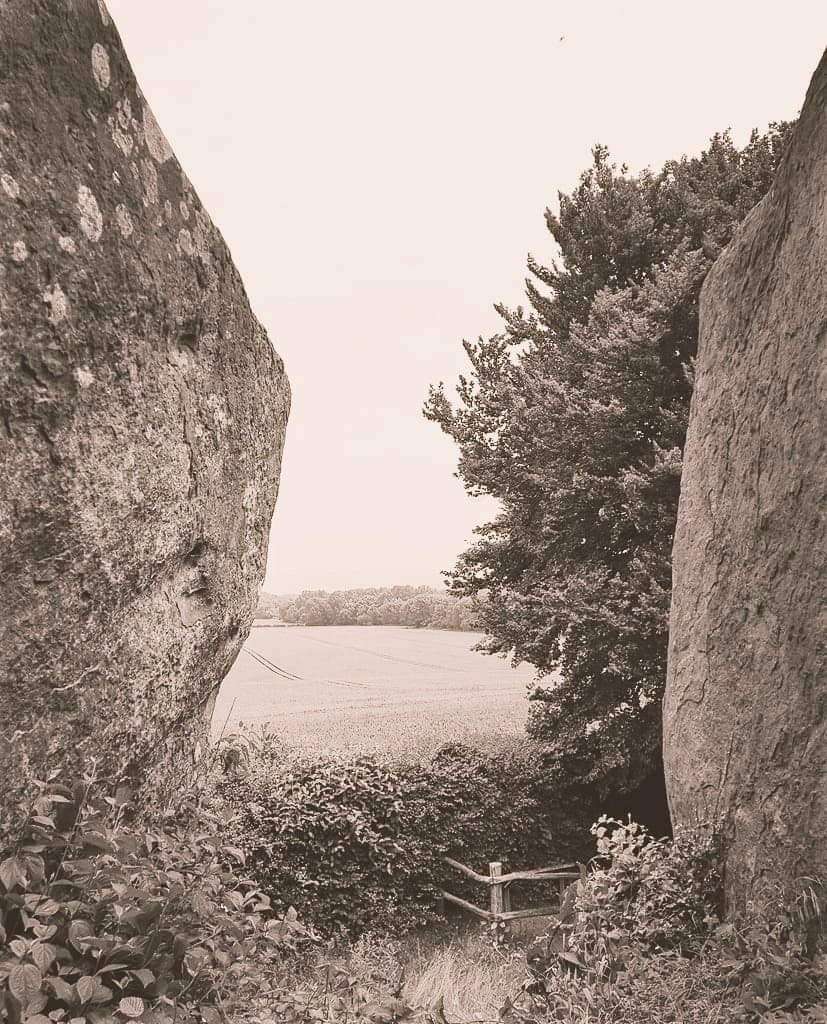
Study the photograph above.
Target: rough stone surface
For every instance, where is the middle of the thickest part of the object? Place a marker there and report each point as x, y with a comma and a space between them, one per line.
745, 734
142, 415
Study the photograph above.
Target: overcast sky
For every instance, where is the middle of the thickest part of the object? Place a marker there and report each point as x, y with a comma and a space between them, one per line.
380, 168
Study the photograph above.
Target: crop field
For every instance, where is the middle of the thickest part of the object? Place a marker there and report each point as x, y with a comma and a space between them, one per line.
373, 689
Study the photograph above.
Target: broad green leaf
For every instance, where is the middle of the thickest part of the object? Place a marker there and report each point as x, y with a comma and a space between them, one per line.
24, 982
43, 953
86, 988
37, 1004
46, 908
12, 874
102, 994
62, 989
79, 932
131, 1006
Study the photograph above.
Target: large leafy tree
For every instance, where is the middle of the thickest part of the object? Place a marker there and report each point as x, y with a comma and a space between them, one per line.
574, 417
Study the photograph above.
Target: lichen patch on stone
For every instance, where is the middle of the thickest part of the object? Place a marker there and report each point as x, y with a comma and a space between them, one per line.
250, 498
121, 140
149, 178
67, 244
100, 66
19, 252
120, 124
91, 218
103, 12
180, 358
220, 417
10, 186
55, 298
155, 139
123, 109
124, 220
185, 242
185, 210
84, 377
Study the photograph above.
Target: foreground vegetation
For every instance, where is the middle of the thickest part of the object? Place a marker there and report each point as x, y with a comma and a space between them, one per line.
357, 844
107, 918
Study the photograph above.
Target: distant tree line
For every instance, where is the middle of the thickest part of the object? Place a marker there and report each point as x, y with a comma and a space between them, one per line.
419, 607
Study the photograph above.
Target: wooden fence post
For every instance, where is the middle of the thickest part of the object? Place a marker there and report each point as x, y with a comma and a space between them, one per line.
495, 869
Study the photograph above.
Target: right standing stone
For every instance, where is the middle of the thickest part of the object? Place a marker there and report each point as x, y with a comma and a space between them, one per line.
744, 710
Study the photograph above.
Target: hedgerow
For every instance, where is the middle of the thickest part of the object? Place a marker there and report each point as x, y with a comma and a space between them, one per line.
355, 843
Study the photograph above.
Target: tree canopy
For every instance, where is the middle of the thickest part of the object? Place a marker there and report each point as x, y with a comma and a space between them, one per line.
574, 418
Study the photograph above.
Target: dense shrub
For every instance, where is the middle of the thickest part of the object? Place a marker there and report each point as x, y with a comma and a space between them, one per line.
103, 919
502, 806
324, 836
666, 893
642, 941
356, 844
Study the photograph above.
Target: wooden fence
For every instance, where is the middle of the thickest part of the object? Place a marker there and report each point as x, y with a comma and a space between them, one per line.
500, 898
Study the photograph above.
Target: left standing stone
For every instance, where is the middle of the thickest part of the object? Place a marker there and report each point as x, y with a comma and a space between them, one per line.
142, 417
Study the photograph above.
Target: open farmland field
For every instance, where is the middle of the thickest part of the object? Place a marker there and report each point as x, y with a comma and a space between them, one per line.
373, 689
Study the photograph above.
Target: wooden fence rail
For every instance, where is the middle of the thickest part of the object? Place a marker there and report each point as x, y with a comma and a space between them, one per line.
499, 896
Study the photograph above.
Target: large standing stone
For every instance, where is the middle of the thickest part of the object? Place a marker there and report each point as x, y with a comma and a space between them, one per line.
142, 415
745, 734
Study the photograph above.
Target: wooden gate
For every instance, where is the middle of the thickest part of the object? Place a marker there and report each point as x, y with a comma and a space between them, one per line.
499, 896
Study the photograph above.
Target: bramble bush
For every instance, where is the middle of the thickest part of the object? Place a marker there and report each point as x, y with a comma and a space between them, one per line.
103, 920
323, 835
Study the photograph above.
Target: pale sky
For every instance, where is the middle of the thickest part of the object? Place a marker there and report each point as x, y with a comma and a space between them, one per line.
380, 168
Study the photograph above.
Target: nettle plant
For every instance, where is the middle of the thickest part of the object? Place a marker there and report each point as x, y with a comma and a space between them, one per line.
666, 894
104, 921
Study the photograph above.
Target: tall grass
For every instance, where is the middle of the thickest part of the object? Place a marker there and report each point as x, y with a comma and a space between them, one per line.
450, 977
466, 975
